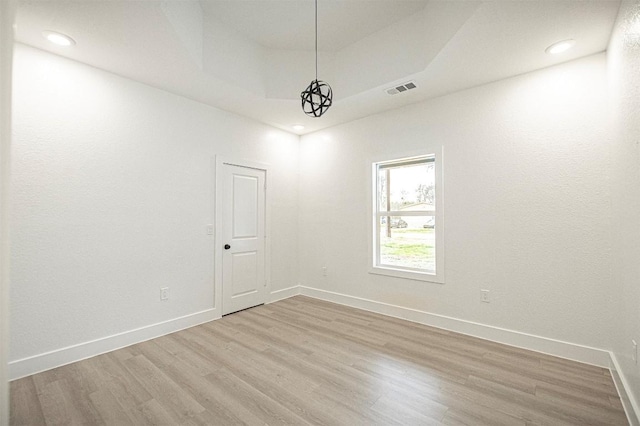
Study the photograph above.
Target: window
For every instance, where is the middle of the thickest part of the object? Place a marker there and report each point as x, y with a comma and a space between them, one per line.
407, 231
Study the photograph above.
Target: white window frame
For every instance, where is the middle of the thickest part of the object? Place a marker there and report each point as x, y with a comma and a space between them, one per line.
374, 233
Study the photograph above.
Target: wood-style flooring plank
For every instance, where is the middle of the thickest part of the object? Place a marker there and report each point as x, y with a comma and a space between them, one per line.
110, 409
177, 403
25, 407
305, 361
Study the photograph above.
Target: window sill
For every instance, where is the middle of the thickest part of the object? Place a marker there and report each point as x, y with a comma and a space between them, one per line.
410, 275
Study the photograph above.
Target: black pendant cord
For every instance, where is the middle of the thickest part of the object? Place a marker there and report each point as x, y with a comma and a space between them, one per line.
318, 96
316, 39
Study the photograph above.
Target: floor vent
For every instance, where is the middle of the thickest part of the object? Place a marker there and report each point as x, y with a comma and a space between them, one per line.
401, 88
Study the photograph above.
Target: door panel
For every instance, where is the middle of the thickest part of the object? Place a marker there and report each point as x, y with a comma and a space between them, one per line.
243, 263
245, 206
245, 272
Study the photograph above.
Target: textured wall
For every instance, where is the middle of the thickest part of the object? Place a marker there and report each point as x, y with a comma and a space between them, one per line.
7, 11
112, 192
624, 75
526, 211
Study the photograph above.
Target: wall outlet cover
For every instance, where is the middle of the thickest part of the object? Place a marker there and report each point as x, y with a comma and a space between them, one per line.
164, 293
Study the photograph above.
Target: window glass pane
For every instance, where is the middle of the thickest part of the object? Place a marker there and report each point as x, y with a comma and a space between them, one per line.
408, 242
407, 187
382, 191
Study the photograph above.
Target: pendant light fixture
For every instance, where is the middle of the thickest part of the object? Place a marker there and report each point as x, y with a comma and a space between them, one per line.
318, 96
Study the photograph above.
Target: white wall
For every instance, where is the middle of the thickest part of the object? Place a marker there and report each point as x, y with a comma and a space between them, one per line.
7, 11
527, 208
624, 74
113, 189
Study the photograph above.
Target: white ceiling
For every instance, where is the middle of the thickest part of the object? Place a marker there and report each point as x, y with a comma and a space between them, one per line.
255, 57
343, 22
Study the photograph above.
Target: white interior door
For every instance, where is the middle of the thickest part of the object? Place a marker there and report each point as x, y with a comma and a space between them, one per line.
243, 231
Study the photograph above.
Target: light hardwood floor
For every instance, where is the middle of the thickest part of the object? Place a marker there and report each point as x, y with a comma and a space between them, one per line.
304, 361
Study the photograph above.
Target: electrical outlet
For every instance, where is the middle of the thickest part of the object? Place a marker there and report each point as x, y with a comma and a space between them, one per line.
324, 271
634, 353
484, 296
164, 293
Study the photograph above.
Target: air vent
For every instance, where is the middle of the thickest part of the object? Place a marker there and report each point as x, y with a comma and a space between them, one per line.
401, 88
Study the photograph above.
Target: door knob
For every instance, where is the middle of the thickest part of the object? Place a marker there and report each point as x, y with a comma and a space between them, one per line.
227, 246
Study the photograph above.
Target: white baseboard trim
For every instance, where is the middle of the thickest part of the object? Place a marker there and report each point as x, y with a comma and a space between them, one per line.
59, 357
545, 345
46, 361
285, 293
629, 401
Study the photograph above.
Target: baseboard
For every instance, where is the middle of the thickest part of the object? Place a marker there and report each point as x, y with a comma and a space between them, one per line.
629, 401
572, 351
42, 362
46, 361
545, 345
285, 293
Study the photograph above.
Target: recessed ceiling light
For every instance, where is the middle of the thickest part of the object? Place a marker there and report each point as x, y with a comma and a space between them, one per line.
560, 46
298, 127
58, 38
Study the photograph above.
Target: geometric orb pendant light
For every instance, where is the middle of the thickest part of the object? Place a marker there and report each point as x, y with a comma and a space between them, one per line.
318, 96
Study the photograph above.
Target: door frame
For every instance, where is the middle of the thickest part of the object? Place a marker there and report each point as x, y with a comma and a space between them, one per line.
218, 167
